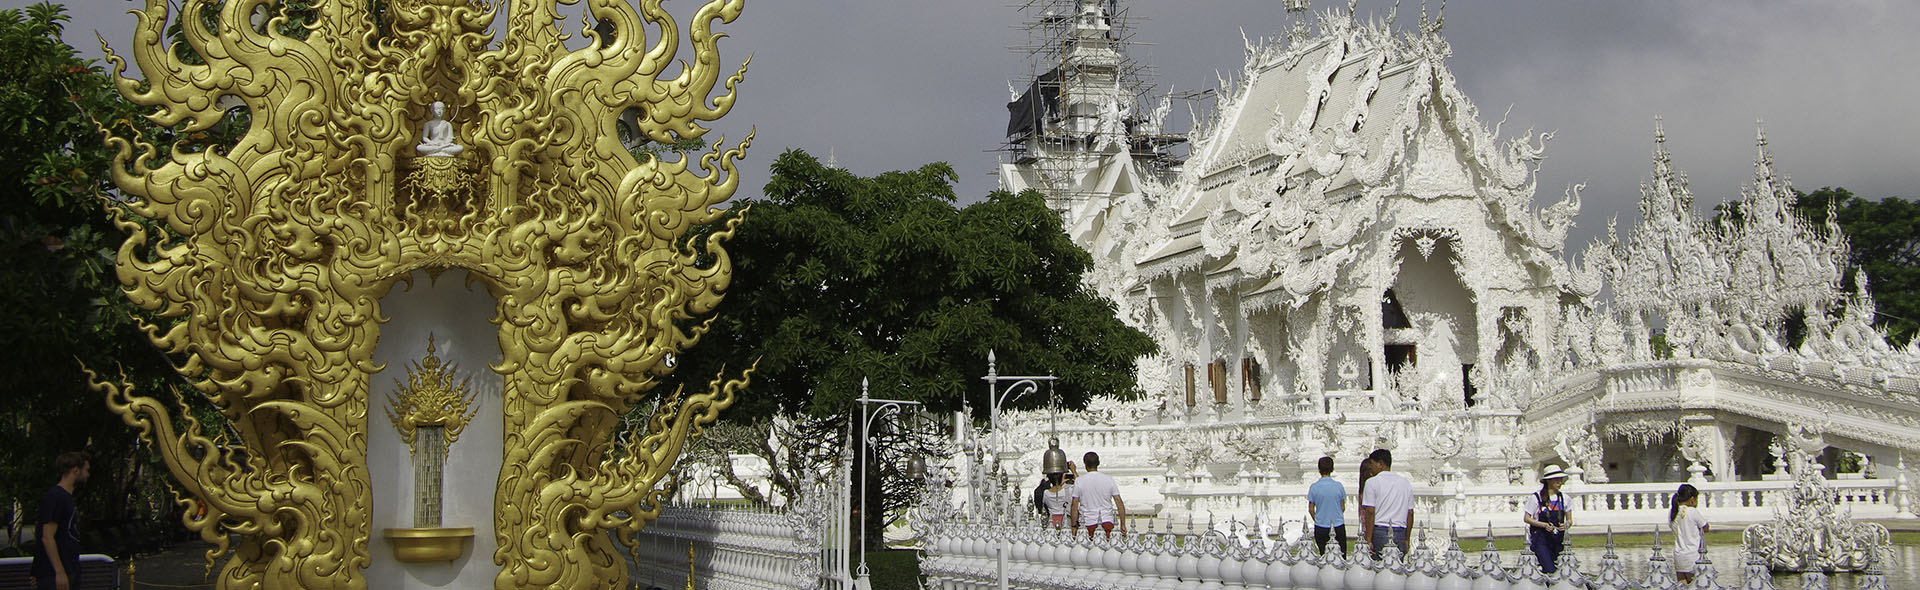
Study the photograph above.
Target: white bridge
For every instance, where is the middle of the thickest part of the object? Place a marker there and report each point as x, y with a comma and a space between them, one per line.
1728, 428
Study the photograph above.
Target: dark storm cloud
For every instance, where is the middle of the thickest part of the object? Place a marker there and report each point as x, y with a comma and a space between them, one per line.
891, 85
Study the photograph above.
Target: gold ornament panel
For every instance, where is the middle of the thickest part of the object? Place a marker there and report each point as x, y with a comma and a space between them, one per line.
281, 246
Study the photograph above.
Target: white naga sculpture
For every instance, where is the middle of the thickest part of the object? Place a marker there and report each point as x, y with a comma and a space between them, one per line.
436, 136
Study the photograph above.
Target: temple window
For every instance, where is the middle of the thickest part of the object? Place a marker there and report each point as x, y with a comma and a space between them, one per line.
1190, 400
1250, 378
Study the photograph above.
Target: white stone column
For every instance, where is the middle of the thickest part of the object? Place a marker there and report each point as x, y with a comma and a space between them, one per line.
1724, 468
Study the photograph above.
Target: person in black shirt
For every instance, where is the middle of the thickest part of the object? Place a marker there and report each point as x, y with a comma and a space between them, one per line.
56, 566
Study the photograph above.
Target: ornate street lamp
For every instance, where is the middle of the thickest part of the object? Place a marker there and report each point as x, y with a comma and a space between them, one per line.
862, 576
1018, 388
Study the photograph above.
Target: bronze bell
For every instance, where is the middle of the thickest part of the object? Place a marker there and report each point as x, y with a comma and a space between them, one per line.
1055, 460
916, 467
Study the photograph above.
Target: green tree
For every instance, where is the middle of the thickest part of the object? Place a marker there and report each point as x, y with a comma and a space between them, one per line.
61, 306
839, 278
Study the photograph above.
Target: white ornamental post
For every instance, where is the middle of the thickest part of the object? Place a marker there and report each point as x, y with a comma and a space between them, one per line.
1902, 492
887, 407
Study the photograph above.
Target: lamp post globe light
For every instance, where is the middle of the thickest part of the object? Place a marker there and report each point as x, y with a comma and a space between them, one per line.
916, 467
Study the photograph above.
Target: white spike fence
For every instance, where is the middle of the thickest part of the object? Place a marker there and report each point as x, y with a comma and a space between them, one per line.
965, 555
806, 545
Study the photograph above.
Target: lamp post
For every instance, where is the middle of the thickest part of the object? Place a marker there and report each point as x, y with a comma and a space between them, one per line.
867, 414
1019, 386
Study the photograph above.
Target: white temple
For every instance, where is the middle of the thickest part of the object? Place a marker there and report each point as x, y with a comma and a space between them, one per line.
1349, 258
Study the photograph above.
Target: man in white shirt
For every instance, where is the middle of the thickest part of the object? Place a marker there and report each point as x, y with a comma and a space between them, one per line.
1386, 505
1096, 499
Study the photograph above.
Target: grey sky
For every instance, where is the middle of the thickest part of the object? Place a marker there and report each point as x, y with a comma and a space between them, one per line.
892, 85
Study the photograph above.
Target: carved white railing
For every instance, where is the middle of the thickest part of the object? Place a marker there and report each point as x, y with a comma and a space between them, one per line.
976, 555
1472, 507
732, 549
804, 545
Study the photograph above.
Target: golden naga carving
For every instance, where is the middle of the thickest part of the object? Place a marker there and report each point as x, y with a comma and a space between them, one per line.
281, 246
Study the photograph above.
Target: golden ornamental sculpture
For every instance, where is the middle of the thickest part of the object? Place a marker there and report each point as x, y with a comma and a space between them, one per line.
430, 405
347, 179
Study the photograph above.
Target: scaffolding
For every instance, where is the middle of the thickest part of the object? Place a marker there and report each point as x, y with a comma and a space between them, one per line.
1039, 134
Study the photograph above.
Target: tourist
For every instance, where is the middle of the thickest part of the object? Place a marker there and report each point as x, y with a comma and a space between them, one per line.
56, 565
1040, 494
1386, 505
1689, 531
1096, 499
1056, 498
1548, 517
1366, 472
1326, 505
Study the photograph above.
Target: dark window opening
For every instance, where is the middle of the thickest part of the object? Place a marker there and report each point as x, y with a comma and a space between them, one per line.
1392, 316
1466, 382
1217, 379
1250, 378
1189, 386
1400, 356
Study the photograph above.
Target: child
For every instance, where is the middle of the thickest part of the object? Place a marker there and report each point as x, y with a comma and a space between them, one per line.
1689, 528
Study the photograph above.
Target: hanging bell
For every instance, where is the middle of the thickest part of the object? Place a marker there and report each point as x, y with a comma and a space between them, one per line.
916, 468
1055, 460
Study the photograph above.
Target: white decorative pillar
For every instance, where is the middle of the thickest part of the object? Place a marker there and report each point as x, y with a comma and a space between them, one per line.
1902, 491
1724, 468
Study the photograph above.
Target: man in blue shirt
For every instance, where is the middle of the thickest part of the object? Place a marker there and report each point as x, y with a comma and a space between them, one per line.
56, 565
1327, 505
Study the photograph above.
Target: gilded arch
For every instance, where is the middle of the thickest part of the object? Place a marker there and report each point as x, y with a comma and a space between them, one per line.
278, 249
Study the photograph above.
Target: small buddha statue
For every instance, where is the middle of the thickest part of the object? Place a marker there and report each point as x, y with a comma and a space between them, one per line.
436, 137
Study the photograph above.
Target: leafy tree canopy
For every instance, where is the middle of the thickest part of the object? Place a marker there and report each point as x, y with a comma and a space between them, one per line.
839, 278
61, 306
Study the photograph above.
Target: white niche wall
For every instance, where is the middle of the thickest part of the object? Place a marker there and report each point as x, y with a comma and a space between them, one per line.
455, 312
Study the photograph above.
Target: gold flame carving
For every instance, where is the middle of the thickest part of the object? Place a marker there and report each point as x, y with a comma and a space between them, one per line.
430, 397
281, 246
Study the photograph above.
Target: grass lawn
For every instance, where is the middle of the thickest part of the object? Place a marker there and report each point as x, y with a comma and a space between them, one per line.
894, 570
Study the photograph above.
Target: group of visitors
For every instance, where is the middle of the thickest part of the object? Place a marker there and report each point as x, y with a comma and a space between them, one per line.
1386, 513
1091, 500
1386, 505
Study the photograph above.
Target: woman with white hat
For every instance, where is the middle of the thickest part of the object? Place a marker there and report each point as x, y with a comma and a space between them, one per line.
1548, 517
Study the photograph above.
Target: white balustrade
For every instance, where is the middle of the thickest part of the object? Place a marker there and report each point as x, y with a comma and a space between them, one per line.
1472, 507
964, 555
732, 549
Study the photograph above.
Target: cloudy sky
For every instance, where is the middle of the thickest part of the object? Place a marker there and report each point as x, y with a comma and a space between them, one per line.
890, 85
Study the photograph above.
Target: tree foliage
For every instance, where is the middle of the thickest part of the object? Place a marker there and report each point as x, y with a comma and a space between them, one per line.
839, 278
61, 305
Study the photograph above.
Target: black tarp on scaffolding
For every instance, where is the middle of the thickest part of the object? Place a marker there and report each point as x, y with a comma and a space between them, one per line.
1040, 101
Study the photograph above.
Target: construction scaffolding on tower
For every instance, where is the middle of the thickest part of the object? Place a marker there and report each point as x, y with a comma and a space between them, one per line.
1044, 135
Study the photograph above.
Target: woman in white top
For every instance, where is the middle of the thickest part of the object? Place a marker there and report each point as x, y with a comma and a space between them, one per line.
1547, 518
1689, 526
1057, 497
